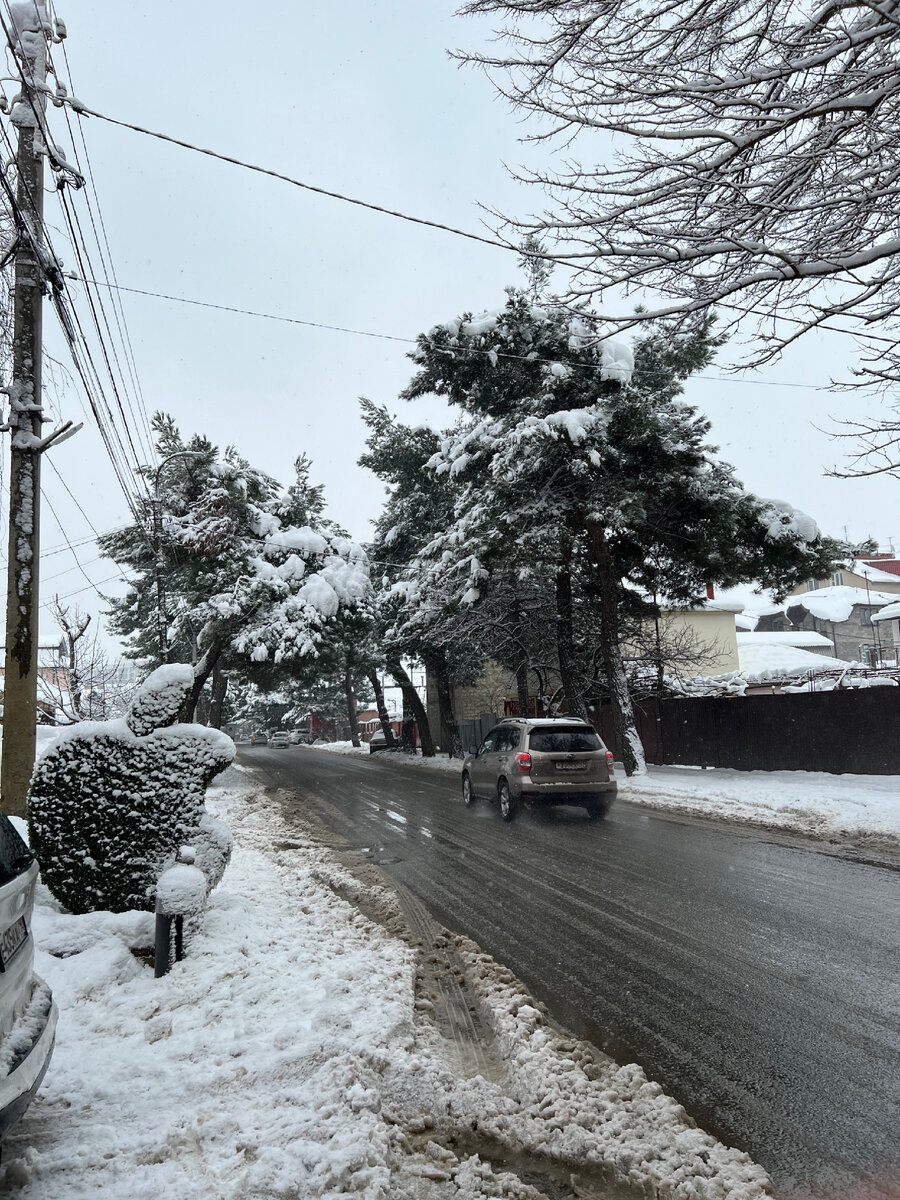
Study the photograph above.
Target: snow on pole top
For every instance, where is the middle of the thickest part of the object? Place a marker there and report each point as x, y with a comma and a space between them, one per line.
159, 698
29, 16
181, 889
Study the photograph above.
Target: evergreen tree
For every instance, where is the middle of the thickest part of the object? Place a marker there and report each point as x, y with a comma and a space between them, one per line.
251, 575
573, 464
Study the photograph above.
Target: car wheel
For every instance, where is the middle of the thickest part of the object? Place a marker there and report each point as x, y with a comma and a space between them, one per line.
505, 800
595, 811
468, 794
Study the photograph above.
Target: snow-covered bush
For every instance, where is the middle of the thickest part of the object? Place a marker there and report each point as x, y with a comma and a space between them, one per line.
111, 803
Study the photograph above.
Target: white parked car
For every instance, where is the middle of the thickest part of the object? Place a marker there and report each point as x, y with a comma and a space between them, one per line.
27, 1011
279, 739
377, 741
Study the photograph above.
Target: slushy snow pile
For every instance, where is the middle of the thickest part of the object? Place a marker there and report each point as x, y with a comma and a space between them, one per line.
290, 1056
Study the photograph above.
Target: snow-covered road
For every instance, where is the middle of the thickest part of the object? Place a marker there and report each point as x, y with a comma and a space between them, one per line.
309, 1047
754, 979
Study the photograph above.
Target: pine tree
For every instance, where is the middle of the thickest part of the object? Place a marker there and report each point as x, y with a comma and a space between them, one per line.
571, 466
253, 574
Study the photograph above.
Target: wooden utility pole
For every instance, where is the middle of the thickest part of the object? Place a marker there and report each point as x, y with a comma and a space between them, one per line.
25, 419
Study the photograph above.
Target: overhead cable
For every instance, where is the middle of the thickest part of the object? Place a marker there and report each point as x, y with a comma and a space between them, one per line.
78, 107
392, 337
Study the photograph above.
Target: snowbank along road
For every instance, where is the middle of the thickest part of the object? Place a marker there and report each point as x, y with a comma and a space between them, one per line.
755, 981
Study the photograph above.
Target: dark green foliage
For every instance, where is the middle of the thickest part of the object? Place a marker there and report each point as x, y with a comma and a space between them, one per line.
112, 802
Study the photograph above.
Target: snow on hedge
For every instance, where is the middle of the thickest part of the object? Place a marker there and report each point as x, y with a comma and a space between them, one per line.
112, 802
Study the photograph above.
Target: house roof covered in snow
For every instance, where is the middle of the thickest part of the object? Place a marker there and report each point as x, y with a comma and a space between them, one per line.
837, 603
878, 571
890, 613
765, 658
804, 638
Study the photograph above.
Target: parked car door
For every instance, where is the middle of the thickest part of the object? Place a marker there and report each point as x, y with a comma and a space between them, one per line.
484, 765
507, 746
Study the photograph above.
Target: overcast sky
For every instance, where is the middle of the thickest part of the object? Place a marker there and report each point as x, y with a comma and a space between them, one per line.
359, 98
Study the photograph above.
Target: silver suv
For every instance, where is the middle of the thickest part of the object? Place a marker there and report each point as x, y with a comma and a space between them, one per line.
550, 760
27, 1011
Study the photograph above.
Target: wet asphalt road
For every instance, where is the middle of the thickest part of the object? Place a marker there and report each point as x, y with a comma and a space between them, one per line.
757, 982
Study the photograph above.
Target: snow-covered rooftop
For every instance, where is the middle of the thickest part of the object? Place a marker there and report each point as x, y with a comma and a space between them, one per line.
890, 613
720, 604
875, 574
837, 603
804, 638
759, 658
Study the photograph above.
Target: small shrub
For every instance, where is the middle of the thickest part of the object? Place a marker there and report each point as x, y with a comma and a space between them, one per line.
112, 802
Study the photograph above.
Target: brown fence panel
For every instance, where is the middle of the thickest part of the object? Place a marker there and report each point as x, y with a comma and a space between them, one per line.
647, 719
854, 730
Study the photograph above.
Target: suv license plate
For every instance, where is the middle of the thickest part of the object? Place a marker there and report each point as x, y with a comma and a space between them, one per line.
11, 940
571, 766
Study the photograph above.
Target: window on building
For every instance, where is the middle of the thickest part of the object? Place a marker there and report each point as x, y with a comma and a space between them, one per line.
811, 585
837, 579
865, 616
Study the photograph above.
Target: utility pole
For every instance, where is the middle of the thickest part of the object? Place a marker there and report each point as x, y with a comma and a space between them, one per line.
25, 418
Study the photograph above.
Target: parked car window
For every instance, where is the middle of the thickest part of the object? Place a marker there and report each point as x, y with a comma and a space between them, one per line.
490, 742
564, 741
14, 853
510, 739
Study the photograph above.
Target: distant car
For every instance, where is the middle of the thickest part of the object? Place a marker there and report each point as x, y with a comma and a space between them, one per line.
554, 760
294, 737
259, 738
279, 738
377, 741
27, 1012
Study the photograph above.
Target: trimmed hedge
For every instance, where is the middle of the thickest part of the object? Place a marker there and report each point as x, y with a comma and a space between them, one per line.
112, 802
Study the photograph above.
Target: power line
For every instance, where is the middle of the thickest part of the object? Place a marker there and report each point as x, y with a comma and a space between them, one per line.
95, 587
249, 312
59, 476
559, 260
52, 551
80, 108
71, 331
78, 562
391, 337
119, 312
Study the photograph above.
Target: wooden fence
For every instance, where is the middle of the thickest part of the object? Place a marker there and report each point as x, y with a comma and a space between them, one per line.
853, 730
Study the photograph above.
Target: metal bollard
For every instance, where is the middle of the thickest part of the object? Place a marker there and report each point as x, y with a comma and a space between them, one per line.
162, 952
180, 891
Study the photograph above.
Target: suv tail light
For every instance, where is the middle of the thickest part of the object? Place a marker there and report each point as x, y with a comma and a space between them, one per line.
523, 762
609, 763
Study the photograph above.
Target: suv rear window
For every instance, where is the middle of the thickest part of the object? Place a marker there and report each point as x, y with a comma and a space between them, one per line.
15, 857
564, 741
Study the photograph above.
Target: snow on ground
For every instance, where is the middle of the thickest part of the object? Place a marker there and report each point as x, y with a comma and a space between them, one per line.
848, 808
341, 748
855, 809
294, 1054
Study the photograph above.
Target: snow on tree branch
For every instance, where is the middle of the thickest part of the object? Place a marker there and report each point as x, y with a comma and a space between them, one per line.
753, 160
